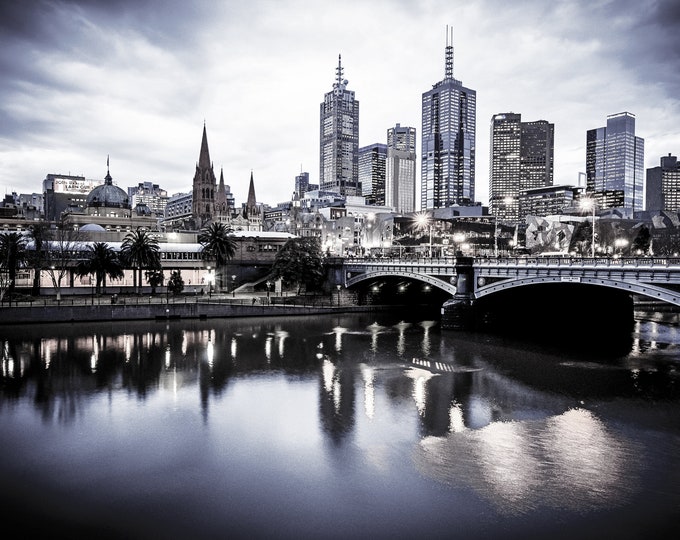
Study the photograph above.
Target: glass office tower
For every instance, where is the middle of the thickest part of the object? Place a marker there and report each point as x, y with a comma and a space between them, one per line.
615, 164
372, 173
400, 178
339, 139
522, 158
448, 141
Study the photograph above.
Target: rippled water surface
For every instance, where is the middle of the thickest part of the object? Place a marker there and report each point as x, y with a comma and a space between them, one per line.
371, 426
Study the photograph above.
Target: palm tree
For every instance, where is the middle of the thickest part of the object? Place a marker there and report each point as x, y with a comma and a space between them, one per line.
102, 261
140, 250
12, 254
218, 244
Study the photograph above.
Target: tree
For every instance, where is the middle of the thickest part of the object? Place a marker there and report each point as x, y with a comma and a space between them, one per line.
140, 250
154, 278
300, 262
642, 242
102, 261
59, 254
218, 244
39, 234
175, 283
12, 255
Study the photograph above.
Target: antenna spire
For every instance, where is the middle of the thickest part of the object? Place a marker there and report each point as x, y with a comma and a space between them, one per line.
448, 70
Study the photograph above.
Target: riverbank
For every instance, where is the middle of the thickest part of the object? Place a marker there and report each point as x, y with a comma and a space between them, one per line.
115, 308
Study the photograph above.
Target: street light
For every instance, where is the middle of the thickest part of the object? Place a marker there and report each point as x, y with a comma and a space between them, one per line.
589, 204
233, 285
423, 220
269, 285
338, 287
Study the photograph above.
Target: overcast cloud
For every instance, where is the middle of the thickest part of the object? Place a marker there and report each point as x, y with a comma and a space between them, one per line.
136, 79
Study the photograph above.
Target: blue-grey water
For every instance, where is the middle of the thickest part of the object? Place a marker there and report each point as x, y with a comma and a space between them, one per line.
337, 426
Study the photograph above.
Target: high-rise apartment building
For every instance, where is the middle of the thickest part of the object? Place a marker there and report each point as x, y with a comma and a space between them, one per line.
150, 195
615, 163
522, 158
448, 141
372, 173
339, 139
400, 174
663, 186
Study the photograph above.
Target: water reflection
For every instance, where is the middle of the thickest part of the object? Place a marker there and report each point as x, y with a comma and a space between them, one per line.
518, 427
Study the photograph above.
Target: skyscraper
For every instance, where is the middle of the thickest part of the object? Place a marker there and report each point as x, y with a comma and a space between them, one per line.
522, 158
372, 172
615, 163
448, 141
400, 174
339, 139
663, 186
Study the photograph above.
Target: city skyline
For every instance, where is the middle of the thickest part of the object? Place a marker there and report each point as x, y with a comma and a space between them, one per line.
137, 80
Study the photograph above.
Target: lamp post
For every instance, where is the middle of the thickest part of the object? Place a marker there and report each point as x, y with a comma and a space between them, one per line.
423, 219
338, 287
269, 285
233, 285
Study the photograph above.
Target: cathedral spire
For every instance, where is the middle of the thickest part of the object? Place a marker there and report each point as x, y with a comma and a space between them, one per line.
204, 156
251, 205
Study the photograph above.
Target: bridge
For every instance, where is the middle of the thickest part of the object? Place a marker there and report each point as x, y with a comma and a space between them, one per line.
468, 280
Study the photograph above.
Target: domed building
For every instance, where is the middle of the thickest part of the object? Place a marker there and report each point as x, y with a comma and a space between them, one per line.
108, 200
108, 210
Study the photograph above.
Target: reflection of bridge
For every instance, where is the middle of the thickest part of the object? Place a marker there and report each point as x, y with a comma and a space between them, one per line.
469, 279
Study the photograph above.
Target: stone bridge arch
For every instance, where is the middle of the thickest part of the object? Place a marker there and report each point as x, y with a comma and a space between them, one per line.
430, 280
643, 289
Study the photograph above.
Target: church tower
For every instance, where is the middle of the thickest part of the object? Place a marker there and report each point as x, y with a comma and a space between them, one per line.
205, 187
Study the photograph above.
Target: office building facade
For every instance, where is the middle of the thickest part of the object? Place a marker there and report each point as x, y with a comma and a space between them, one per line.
339, 139
400, 174
372, 160
522, 158
448, 141
663, 186
615, 164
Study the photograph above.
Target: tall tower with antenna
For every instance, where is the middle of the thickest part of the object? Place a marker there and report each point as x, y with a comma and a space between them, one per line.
339, 138
449, 112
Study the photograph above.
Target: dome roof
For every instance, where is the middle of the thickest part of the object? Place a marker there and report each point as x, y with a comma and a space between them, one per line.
92, 227
108, 195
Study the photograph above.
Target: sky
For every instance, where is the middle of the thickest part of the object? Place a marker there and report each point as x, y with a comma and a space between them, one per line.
134, 81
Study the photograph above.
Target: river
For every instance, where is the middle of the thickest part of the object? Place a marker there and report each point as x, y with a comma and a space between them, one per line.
336, 426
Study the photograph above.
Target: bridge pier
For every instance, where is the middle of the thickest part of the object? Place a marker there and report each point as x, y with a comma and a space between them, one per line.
458, 313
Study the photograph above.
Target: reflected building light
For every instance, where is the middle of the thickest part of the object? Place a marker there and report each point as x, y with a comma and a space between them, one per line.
401, 340
184, 343
582, 448
268, 348
327, 372
233, 348
456, 420
338, 331
337, 390
425, 345
509, 463
167, 356
128, 348
368, 374
281, 335
95, 354
47, 354
210, 354
420, 378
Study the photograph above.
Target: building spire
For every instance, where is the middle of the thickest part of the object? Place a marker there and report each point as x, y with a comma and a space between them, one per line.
107, 179
251, 205
339, 73
204, 156
448, 69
